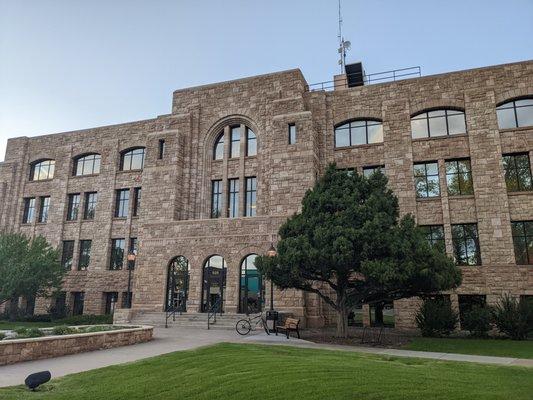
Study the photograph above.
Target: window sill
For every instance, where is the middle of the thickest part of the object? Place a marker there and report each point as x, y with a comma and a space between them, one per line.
461, 196
520, 129
520, 193
40, 223
71, 221
41, 180
120, 218
87, 220
26, 223
424, 139
359, 146
84, 176
129, 171
423, 199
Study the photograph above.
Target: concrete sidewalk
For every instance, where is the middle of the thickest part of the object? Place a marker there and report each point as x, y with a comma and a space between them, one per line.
175, 339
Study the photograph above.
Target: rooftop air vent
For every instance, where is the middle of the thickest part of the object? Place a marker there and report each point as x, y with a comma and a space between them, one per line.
355, 74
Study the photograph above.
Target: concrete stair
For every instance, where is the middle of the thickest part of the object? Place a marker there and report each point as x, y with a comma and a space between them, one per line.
187, 320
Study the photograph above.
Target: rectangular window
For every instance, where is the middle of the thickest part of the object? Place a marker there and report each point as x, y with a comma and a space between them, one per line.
85, 254
251, 196
44, 207
67, 254
132, 249
368, 171
233, 198
459, 177
427, 179
73, 206
517, 172
78, 299
251, 143
216, 199
117, 254
523, 242
161, 152
435, 236
111, 299
235, 143
466, 244
122, 203
91, 198
136, 201
29, 210
292, 133
126, 299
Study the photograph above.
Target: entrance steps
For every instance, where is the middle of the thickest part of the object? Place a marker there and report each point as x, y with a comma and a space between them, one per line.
187, 320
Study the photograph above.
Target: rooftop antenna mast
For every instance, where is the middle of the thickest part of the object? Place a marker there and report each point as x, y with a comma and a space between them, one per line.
344, 45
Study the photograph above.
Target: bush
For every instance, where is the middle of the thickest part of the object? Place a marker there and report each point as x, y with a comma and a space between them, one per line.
2, 336
36, 318
64, 330
23, 333
513, 318
477, 321
87, 320
436, 318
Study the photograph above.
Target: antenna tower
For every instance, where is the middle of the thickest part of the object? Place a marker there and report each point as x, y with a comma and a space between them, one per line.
344, 45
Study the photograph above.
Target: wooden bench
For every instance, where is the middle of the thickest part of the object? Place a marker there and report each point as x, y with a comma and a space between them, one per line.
291, 324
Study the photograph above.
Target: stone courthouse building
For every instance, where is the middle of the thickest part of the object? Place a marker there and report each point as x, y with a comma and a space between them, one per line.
199, 192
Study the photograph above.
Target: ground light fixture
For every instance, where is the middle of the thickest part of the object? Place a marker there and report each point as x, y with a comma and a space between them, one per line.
271, 315
33, 381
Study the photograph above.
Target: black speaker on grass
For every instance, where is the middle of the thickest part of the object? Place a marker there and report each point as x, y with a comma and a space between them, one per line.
33, 381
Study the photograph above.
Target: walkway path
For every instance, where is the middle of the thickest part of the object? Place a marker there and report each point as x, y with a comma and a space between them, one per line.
175, 339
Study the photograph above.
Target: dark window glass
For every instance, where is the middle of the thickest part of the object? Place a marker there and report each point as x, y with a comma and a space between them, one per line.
73, 206
251, 143
87, 165
292, 133
161, 152
438, 123
85, 254
251, 197
29, 210
216, 199
136, 201
235, 143
218, 150
435, 236
78, 300
466, 244
233, 198
42, 170
44, 208
368, 171
358, 132
126, 299
122, 203
251, 287
67, 254
523, 242
459, 177
132, 159
515, 114
517, 172
132, 248
117, 253
427, 179
111, 299
91, 198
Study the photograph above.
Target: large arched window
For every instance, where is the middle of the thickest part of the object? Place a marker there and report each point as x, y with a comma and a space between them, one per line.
515, 113
437, 123
132, 159
357, 132
42, 170
88, 164
213, 284
177, 284
218, 150
251, 287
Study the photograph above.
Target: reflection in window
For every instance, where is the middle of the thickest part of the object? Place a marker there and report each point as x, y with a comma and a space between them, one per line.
426, 179
358, 132
459, 177
438, 123
435, 236
29, 210
466, 244
85, 255
251, 143
67, 254
117, 253
517, 172
235, 142
369, 171
216, 199
91, 199
73, 206
523, 242
42, 170
251, 197
233, 198
87, 165
218, 150
515, 114
44, 207
132, 159
122, 203
292, 133
136, 201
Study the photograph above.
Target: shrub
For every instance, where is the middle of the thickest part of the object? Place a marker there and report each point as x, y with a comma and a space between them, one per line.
436, 318
513, 318
36, 318
23, 333
477, 321
87, 319
64, 330
2, 335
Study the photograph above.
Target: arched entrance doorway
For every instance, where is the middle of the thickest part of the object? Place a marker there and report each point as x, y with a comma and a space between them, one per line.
213, 283
252, 290
177, 284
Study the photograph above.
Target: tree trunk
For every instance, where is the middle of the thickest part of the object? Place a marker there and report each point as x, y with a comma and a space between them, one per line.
13, 309
342, 316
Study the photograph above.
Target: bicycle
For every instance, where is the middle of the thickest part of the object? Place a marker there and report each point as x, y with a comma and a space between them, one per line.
246, 325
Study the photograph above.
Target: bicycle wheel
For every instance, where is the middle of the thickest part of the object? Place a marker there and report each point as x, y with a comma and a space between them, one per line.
243, 327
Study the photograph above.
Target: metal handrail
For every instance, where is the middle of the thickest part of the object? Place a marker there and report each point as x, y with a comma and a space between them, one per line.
213, 312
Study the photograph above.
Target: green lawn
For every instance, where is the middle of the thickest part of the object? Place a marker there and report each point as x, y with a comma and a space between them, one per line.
485, 347
236, 371
12, 325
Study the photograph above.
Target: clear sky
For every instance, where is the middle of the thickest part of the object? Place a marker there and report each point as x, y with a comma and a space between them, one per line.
73, 64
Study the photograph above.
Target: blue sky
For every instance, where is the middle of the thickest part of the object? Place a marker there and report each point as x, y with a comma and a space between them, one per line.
73, 64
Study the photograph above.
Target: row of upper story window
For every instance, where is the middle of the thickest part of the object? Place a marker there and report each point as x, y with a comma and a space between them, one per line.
433, 123
465, 242
40, 206
116, 259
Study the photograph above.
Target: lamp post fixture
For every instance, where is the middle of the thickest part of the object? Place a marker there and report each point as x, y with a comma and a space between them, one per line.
271, 315
131, 262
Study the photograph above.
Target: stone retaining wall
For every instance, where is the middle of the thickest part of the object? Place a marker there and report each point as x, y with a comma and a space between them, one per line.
17, 350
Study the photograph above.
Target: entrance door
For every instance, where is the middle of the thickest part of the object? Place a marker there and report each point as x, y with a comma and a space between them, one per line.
177, 284
251, 295
213, 284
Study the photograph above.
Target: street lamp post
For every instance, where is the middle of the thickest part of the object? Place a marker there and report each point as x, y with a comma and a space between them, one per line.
131, 263
272, 316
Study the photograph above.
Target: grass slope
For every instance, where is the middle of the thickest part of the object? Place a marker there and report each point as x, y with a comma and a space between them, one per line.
485, 347
232, 371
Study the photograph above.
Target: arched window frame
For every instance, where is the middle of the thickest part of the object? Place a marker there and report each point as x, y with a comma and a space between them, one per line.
178, 267
243, 284
223, 268
87, 158
351, 127
127, 157
218, 148
42, 169
426, 117
519, 110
